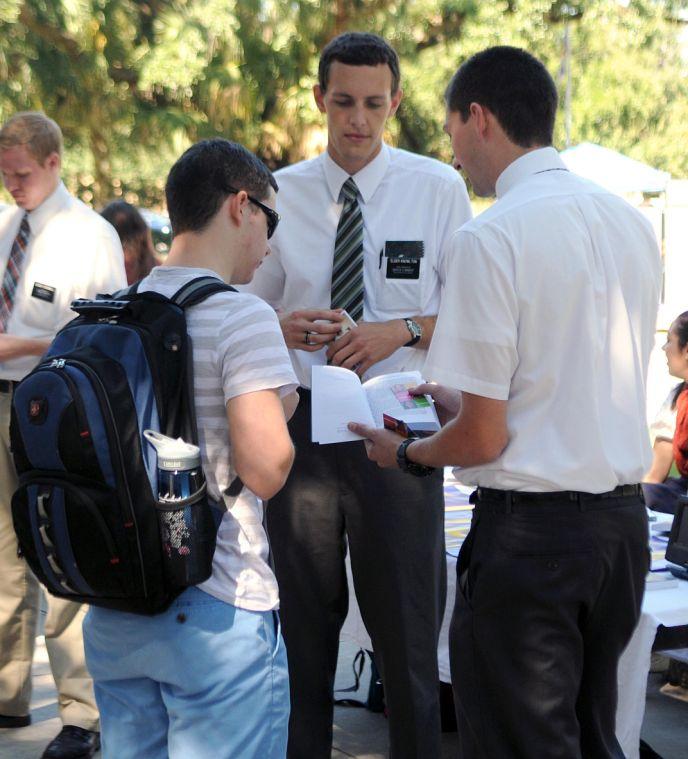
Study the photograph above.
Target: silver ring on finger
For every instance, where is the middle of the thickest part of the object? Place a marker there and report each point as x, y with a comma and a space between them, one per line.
307, 338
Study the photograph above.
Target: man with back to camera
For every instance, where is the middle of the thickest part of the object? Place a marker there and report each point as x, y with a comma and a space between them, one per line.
53, 249
207, 678
365, 228
544, 349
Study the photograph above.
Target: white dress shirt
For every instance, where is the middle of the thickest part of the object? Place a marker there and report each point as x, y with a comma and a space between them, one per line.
72, 253
403, 197
550, 304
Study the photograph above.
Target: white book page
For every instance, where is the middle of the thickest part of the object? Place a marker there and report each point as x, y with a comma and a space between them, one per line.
337, 398
388, 394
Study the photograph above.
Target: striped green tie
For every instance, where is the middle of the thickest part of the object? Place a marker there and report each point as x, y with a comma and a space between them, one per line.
347, 272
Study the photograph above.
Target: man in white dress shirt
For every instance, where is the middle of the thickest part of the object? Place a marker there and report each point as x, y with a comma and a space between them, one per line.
364, 227
544, 334
52, 249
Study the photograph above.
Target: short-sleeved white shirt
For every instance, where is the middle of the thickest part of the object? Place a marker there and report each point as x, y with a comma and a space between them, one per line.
550, 304
72, 253
238, 348
403, 197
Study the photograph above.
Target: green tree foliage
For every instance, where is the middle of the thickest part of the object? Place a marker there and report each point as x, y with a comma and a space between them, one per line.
133, 83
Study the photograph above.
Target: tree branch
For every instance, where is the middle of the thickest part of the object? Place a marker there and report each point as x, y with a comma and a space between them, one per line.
50, 34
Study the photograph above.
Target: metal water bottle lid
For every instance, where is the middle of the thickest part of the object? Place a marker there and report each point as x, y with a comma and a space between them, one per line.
173, 454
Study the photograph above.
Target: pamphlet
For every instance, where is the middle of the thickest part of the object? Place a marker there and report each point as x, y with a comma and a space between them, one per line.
338, 397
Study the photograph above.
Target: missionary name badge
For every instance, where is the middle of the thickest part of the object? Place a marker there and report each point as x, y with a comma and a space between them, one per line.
403, 258
43, 292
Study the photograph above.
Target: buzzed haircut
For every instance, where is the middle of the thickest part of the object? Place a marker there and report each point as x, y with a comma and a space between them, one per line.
40, 135
512, 84
358, 49
205, 175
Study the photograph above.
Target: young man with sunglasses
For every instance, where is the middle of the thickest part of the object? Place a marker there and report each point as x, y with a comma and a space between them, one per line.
208, 677
365, 228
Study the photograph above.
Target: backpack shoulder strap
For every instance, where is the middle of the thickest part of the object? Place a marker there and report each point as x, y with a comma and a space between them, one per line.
198, 290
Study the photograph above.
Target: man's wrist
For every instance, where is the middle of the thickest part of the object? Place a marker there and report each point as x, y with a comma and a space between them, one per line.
411, 467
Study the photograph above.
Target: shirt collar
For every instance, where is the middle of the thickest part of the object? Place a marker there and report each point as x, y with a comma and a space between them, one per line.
57, 200
367, 179
533, 162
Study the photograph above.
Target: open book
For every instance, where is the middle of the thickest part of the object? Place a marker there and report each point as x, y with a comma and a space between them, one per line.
338, 397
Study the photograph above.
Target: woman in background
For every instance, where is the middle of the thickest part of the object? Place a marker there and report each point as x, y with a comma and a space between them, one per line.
671, 428
135, 234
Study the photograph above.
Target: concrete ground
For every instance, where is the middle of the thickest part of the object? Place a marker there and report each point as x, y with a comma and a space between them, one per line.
358, 733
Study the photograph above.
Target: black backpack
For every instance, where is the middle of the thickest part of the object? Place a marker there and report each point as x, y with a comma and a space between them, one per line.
86, 509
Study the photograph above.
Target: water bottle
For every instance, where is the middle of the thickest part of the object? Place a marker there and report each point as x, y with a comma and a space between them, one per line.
187, 528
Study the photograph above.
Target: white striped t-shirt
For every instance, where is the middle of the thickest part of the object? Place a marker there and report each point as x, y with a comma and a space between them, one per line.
238, 348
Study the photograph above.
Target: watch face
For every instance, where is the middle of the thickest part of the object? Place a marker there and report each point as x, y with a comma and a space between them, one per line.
413, 327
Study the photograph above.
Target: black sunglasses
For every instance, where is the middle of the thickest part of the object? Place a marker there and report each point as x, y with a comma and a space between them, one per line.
272, 216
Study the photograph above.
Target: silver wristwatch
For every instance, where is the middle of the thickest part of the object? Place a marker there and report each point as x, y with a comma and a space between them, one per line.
416, 332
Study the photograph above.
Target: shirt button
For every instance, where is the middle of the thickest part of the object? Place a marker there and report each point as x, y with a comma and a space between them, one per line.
551, 564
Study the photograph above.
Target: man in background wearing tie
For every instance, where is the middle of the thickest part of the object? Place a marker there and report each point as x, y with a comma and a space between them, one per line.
365, 228
53, 249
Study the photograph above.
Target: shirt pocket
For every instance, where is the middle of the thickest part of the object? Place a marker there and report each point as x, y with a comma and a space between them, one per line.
400, 281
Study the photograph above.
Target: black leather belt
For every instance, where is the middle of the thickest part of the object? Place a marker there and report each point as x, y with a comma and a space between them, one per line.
6, 386
506, 500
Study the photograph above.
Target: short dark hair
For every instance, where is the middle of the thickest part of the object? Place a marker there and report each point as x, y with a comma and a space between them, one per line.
515, 86
199, 182
358, 49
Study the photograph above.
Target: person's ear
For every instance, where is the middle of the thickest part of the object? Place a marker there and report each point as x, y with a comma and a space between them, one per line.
396, 100
53, 162
319, 96
234, 207
480, 118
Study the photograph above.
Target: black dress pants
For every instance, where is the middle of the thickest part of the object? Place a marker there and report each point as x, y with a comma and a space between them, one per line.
394, 525
548, 595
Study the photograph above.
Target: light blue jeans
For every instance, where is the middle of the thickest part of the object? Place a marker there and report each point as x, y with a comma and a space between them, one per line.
202, 680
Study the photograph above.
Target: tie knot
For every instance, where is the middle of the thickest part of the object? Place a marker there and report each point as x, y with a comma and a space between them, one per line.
349, 189
24, 228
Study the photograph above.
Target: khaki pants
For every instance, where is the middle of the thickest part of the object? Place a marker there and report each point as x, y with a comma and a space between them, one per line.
19, 608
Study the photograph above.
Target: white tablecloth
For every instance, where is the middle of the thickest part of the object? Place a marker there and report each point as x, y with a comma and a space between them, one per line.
667, 606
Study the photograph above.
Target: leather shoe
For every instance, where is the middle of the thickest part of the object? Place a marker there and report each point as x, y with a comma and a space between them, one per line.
73, 742
10, 721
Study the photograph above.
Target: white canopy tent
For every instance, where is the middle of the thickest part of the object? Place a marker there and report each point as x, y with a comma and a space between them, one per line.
614, 171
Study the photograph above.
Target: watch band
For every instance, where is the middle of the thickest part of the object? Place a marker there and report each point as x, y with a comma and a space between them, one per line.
411, 467
416, 332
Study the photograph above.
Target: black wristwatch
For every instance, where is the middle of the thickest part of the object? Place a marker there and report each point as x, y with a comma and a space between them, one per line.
418, 470
416, 332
